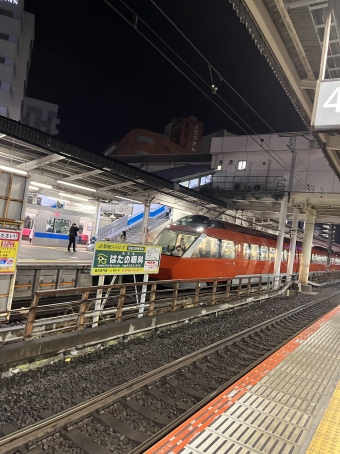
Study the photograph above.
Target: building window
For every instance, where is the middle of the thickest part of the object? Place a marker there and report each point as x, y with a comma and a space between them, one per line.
4, 12
4, 36
4, 111
146, 140
5, 86
242, 165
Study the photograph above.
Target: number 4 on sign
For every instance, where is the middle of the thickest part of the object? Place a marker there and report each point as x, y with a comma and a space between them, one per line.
335, 96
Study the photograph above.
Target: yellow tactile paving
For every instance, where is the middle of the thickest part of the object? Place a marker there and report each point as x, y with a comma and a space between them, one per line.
327, 436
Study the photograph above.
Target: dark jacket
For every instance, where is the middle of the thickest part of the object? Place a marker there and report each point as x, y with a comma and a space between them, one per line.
73, 231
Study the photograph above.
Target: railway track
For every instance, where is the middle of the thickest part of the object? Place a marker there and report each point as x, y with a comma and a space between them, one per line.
133, 416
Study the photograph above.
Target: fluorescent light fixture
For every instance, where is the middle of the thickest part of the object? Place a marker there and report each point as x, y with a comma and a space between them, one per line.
88, 207
219, 168
76, 186
75, 197
13, 170
42, 185
131, 200
2, 135
33, 188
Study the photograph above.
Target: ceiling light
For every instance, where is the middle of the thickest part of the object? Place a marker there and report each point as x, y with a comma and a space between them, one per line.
131, 200
76, 186
13, 170
70, 196
43, 185
33, 188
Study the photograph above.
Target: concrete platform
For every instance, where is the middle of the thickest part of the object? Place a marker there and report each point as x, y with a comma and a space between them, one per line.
29, 253
288, 404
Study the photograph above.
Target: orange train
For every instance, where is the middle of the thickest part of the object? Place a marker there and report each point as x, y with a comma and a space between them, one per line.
199, 247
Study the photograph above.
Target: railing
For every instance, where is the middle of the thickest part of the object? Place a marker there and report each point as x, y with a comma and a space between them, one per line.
83, 307
247, 183
120, 302
115, 228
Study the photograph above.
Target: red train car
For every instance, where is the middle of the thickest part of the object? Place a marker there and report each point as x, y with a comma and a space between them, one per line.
199, 247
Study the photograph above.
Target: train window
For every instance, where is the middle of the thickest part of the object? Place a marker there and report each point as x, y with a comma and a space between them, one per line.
285, 255
263, 253
209, 248
174, 243
228, 249
246, 251
58, 225
272, 254
254, 254
50, 225
195, 219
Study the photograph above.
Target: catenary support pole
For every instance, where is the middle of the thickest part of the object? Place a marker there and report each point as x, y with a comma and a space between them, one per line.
325, 46
144, 230
292, 246
96, 219
280, 236
306, 249
330, 243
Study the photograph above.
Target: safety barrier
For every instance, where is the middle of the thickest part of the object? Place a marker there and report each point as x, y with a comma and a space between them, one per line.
119, 302
83, 307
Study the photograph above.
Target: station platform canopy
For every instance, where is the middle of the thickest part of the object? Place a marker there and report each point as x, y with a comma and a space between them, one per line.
61, 165
290, 33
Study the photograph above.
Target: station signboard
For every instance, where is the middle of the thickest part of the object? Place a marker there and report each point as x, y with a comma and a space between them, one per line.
123, 258
326, 112
9, 247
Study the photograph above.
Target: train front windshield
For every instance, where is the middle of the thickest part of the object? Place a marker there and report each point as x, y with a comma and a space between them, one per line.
175, 243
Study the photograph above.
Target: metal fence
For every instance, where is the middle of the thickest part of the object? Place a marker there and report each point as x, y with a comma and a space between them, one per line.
86, 307
247, 183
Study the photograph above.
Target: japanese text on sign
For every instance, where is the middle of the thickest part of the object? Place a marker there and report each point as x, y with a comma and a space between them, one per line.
121, 258
9, 246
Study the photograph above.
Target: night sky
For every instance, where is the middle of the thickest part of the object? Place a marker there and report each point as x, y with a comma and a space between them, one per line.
108, 80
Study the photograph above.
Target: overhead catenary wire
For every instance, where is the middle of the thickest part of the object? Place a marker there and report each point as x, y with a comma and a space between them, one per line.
221, 77
200, 89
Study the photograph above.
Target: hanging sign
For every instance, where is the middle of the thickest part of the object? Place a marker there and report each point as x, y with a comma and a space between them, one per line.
122, 258
9, 247
326, 113
116, 209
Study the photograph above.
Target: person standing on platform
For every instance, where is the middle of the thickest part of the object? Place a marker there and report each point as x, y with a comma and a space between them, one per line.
123, 236
73, 233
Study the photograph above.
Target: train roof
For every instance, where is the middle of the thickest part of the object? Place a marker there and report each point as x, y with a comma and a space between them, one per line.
194, 221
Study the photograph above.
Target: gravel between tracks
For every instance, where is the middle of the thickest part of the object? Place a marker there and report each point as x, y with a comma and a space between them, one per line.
24, 395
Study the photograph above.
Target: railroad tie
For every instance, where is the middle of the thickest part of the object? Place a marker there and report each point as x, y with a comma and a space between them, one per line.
84, 442
107, 420
150, 414
202, 381
8, 429
185, 389
167, 399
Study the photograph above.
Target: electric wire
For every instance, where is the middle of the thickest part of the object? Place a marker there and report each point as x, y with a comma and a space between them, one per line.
222, 78
205, 94
284, 165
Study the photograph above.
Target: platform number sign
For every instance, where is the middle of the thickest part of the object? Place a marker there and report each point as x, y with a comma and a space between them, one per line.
326, 113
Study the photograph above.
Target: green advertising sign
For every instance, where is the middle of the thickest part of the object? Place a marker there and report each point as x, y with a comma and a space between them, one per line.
122, 258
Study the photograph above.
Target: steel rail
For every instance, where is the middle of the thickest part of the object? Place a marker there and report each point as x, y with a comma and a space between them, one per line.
56, 423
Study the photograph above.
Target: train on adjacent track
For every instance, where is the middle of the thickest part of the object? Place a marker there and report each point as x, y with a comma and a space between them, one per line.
198, 247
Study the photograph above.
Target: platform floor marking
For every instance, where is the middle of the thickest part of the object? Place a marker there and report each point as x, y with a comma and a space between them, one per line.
327, 436
192, 429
